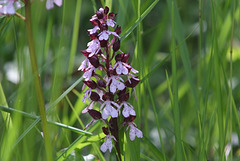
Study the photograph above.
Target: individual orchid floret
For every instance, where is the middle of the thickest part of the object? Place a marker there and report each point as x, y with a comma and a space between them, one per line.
89, 72
93, 30
134, 131
50, 3
109, 109
110, 20
107, 145
128, 109
115, 83
122, 67
7, 7
96, 115
109, 106
93, 47
104, 35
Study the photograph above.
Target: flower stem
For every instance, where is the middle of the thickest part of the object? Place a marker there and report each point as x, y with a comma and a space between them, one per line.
38, 88
116, 135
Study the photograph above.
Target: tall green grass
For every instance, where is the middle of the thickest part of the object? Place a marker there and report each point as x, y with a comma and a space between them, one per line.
188, 57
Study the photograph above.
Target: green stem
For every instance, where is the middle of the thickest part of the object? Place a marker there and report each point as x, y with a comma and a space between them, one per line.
230, 88
74, 38
48, 146
176, 112
116, 135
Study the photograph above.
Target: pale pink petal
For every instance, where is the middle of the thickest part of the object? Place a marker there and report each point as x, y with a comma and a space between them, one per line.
90, 123
113, 88
121, 69
49, 4
139, 133
18, 4
110, 22
103, 35
104, 103
94, 30
58, 2
88, 73
107, 145
103, 147
132, 134
134, 70
128, 110
90, 106
105, 113
86, 95
115, 34
120, 85
114, 112
84, 64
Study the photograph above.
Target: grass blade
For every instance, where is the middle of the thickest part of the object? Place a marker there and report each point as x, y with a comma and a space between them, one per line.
145, 13
25, 114
74, 37
53, 104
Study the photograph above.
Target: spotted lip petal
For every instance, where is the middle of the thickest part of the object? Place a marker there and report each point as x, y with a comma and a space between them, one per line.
107, 145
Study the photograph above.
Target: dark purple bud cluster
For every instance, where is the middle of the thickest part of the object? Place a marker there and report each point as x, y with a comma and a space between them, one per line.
110, 90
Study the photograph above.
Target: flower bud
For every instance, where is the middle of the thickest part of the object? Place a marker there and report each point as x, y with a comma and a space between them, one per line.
111, 16
132, 83
118, 57
118, 30
95, 114
128, 119
103, 43
116, 45
91, 84
94, 96
108, 96
106, 10
94, 61
105, 130
99, 14
125, 58
103, 27
101, 83
95, 22
123, 97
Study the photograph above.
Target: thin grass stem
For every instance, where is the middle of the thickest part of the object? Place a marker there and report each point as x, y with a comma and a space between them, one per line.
30, 116
74, 38
175, 106
38, 87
